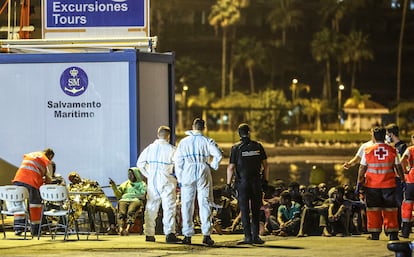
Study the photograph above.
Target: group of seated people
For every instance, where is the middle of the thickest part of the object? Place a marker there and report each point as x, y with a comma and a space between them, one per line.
296, 210
130, 199
292, 210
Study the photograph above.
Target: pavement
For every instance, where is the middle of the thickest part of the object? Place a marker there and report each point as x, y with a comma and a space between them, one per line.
226, 245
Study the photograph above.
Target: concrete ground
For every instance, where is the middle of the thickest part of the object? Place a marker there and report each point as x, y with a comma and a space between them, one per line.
226, 245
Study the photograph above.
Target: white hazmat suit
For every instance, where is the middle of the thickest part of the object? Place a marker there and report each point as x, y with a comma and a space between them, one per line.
155, 163
192, 168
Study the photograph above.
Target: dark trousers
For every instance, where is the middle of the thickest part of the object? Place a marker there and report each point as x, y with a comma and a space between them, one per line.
250, 201
35, 208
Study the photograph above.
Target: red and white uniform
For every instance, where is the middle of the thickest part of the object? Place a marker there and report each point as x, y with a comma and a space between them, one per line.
380, 185
408, 202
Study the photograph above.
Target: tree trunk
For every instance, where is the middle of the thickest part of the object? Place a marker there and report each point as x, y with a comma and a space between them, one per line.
400, 46
252, 87
231, 68
223, 62
353, 76
327, 89
318, 122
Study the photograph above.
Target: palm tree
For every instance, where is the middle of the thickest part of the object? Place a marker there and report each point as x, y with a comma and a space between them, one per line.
202, 100
284, 16
234, 102
334, 11
323, 47
313, 110
355, 50
267, 123
224, 14
250, 53
317, 105
400, 46
359, 101
406, 110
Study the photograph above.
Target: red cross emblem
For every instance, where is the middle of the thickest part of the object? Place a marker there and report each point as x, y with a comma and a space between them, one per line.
381, 153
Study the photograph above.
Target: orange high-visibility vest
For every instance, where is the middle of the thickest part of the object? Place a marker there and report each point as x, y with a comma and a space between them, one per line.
409, 178
380, 159
33, 169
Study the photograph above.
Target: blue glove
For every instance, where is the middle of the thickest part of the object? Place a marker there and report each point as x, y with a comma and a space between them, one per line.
179, 185
358, 188
403, 185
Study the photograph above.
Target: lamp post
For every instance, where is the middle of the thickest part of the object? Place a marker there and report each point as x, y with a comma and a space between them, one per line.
293, 87
341, 87
184, 104
184, 95
182, 111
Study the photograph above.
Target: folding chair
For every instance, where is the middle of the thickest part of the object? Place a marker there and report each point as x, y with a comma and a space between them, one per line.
56, 211
15, 201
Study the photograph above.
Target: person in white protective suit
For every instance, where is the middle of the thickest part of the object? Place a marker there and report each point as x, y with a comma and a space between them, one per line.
155, 163
193, 172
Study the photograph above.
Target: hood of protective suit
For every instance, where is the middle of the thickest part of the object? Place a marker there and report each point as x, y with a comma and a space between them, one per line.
193, 132
137, 173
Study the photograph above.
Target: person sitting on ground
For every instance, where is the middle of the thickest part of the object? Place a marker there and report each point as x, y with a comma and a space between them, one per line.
265, 213
92, 203
339, 213
358, 211
322, 191
302, 189
294, 190
313, 217
222, 214
130, 195
288, 215
270, 209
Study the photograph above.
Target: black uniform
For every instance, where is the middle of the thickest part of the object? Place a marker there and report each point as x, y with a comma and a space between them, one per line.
248, 155
401, 146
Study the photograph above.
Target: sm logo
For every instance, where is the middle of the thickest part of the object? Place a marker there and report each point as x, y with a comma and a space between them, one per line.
74, 81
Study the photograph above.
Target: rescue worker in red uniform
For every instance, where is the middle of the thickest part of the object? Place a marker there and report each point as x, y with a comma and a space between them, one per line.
35, 170
407, 163
376, 174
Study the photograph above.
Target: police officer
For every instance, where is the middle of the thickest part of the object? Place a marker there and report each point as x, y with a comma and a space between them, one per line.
248, 163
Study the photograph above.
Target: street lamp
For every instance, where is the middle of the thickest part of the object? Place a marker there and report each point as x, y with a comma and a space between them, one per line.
341, 87
184, 95
184, 106
293, 87
182, 112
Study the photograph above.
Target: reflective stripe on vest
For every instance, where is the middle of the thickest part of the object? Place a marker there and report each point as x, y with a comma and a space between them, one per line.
33, 166
32, 169
380, 160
